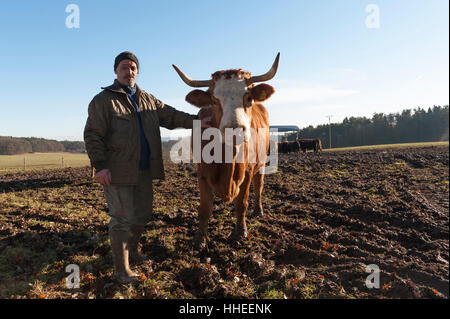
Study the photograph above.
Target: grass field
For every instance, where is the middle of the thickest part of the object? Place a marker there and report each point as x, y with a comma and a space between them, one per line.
367, 147
42, 160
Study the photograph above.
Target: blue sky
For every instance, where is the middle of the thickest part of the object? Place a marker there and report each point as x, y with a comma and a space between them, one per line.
331, 62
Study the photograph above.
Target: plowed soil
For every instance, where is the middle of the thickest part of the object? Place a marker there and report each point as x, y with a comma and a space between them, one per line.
327, 217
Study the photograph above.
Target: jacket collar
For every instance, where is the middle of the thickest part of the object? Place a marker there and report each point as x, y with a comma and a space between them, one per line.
115, 87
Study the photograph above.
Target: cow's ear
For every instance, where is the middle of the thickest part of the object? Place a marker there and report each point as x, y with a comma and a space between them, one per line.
199, 98
262, 92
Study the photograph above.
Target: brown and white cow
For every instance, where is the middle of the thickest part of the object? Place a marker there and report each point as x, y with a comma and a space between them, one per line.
233, 99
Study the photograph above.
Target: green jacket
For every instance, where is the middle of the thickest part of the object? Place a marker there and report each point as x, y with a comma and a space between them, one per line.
111, 133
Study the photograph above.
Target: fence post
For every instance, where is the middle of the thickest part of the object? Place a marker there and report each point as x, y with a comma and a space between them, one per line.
24, 164
62, 161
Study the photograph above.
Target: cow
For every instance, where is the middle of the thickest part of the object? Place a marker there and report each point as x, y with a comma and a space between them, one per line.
234, 102
318, 145
283, 147
310, 144
288, 147
293, 147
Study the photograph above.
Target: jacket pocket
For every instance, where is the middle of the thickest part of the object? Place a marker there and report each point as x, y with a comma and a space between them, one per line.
121, 127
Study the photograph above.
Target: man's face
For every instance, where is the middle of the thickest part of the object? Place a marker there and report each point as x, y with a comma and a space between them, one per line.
127, 72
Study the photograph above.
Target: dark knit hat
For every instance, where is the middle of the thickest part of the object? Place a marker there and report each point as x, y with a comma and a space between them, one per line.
125, 56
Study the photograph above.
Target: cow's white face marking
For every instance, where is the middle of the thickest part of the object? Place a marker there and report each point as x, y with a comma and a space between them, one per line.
230, 93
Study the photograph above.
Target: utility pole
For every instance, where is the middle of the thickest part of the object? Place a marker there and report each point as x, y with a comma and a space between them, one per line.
329, 128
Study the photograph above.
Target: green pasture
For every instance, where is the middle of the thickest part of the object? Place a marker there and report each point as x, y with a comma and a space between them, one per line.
42, 160
400, 145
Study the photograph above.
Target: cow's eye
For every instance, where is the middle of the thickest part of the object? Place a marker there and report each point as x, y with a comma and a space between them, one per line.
248, 100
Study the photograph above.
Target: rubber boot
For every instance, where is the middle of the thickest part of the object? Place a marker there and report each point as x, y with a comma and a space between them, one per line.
119, 246
133, 243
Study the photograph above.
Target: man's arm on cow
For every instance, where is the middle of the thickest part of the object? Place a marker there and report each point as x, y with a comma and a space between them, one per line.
171, 118
205, 115
95, 132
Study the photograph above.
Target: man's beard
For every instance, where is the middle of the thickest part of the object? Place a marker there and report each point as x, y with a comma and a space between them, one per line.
130, 81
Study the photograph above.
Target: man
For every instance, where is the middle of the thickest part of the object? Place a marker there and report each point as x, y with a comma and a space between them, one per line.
123, 141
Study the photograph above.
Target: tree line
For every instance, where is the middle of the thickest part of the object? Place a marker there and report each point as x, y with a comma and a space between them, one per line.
19, 145
417, 125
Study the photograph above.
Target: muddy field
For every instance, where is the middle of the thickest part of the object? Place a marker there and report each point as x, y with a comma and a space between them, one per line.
327, 216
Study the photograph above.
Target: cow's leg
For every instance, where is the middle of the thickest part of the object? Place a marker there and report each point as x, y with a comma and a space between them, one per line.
258, 184
240, 209
204, 213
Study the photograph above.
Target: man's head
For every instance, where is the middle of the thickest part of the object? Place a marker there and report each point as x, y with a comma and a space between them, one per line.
126, 66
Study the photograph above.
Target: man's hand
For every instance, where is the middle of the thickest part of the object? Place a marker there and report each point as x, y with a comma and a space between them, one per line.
103, 177
205, 115
206, 122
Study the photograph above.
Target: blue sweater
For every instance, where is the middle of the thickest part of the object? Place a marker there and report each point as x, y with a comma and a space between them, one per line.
145, 148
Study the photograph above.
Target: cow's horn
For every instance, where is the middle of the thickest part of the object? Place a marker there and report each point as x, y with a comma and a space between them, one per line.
269, 75
191, 82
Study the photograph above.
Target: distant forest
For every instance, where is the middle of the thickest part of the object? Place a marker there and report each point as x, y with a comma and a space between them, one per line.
19, 145
418, 125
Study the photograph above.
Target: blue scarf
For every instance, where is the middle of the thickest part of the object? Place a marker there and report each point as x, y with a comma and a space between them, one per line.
144, 161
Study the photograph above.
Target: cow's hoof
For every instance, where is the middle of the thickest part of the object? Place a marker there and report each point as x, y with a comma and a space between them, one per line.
200, 241
238, 235
259, 212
